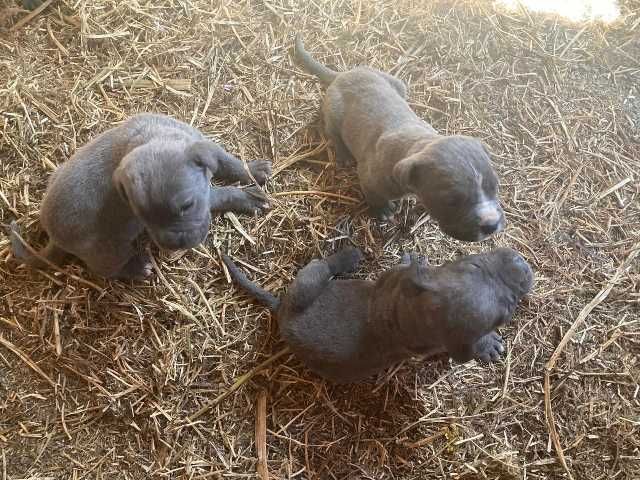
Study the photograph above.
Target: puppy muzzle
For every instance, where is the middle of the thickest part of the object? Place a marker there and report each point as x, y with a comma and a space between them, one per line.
490, 219
474, 225
180, 239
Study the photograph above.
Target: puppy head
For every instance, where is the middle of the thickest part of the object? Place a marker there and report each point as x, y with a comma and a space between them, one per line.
167, 186
476, 293
453, 179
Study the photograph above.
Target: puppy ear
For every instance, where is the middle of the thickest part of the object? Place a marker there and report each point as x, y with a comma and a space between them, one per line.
407, 172
205, 154
404, 171
118, 179
419, 275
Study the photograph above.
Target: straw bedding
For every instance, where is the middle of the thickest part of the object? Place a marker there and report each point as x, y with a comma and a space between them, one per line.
103, 379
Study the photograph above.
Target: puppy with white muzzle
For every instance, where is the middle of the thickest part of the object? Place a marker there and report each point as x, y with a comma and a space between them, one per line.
367, 118
150, 173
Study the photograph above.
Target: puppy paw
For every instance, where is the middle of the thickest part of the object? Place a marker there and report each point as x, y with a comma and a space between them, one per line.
138, 267
384, 213
255, 201
411, 257
344, 159
261, 170
489, 348
345, 260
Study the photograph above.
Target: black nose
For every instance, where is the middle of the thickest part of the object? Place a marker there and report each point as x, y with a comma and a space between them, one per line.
488, 229
174, 241
182, 240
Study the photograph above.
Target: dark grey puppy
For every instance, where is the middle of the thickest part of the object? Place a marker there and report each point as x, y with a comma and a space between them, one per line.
367, 117
347, 330
152, 172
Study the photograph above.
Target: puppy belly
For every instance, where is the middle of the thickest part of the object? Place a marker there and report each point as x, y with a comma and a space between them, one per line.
348, 357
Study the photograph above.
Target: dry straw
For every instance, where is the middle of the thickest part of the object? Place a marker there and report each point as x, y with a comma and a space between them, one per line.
105, 379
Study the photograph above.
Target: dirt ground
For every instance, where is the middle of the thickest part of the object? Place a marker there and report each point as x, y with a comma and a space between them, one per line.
101, 379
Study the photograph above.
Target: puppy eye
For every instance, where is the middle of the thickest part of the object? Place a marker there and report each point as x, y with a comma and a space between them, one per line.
186, 206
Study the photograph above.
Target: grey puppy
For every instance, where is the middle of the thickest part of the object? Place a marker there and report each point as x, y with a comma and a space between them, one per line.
151, 172
367, 118
347, 330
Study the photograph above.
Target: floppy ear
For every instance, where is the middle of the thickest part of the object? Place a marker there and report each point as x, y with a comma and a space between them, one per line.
408, 171
205, 154
419, 275
404, 172
119, 178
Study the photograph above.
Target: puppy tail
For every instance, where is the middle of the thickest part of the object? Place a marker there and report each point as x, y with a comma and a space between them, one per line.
261, 295
311, 65
49, 254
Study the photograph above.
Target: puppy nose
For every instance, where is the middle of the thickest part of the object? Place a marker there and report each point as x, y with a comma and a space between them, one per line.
182, 240
488, 229
490, 218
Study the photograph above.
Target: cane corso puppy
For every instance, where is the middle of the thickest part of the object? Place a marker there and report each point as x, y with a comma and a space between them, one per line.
347, 330
367, 118
150, 173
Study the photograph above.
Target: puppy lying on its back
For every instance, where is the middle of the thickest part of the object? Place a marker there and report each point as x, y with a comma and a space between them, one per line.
347, 330
367, 118
152, 172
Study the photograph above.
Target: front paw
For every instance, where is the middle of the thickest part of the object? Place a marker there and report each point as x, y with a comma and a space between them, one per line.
412, 257
345, 260
261, 170
383, 213
489, 348
138, 267
255, 201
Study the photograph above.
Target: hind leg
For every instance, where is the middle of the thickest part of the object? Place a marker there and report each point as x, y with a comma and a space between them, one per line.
52, 252
332, 119
315, 276
118, 261
344, 158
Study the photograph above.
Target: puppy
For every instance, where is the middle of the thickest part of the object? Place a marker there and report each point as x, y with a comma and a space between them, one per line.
150, 173
347, 330
367, 118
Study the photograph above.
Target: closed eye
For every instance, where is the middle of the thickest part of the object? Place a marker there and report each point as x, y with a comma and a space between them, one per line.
474, 266
186, 206
453, 202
